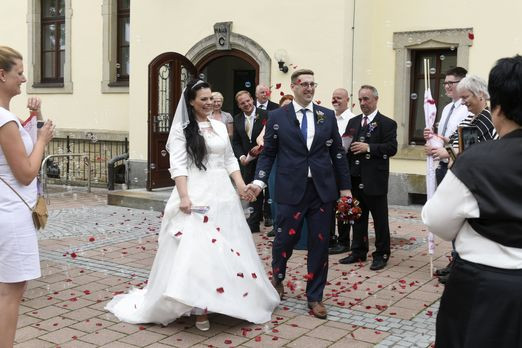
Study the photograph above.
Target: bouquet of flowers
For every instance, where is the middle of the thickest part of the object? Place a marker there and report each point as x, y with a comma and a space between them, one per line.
254, 152
347, 210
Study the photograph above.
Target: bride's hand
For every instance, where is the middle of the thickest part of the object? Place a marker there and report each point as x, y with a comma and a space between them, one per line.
185, 205
244, 194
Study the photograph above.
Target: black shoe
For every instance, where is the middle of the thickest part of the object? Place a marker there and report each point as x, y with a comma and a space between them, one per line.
338, 249
255, 229
352, 259
378, 263
444, 279
444, 271
271, 233
268, 222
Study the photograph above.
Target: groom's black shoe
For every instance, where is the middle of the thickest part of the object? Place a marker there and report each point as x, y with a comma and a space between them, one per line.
254, 228
271, 233
352, 258
268, 222
279, 288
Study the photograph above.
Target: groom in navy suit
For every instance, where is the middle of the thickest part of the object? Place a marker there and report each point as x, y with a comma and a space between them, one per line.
312, 172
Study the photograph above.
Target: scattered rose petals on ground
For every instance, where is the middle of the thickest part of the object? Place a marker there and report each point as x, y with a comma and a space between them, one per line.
228, 341
92, 239
74, 255
257, 339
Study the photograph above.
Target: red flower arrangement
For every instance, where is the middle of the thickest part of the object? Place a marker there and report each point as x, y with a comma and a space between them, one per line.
347, 210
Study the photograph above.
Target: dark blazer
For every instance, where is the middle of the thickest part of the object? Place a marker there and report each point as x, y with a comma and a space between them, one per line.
270, 106
373, 167
326, 157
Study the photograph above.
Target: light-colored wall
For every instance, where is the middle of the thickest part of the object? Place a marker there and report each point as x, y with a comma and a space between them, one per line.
309, 41
86, 107
315, 35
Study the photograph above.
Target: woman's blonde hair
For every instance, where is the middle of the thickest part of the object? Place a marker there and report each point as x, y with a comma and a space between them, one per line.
7, 57
217, 94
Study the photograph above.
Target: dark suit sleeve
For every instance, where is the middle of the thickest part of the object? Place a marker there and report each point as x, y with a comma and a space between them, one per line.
339, 160
388, 144
268, 155
236, 140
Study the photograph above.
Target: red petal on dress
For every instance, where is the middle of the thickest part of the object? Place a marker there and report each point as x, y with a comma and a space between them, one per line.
241, 275
254, 275
291, 232
179, 233
245, 294
278, 85
205, 219
214, 240
220, 290
218, 229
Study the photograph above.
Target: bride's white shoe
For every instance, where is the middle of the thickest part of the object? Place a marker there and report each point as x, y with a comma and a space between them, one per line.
203, 325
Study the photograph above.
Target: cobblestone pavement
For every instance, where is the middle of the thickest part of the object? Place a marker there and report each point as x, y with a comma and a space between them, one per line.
91, 251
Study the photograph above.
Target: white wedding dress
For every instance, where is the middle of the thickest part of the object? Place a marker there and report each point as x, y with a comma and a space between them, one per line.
205, 262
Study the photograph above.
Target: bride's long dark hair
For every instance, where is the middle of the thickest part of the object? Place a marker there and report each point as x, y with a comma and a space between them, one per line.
196, 149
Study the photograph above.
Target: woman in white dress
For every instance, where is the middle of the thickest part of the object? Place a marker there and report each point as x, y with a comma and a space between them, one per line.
206, 261
19, 164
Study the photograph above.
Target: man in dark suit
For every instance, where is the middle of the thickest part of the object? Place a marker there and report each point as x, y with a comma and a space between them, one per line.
247, 126
374, 142
312, 171
263, 102
263, 98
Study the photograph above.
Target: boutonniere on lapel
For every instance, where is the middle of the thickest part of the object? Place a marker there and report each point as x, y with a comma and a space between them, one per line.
256, 117
320, 116
372, 126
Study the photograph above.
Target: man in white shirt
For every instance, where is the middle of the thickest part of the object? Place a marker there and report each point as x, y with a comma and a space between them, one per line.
452, 115
341, 243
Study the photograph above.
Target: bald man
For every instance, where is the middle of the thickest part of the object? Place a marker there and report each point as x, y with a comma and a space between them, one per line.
263, 98
340, 243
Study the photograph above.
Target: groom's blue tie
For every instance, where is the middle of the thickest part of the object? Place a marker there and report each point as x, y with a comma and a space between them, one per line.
304, 125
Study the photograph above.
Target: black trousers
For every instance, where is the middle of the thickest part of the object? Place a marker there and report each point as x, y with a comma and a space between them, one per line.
480, 307
267, 210
378, 206
290, 219
440, 172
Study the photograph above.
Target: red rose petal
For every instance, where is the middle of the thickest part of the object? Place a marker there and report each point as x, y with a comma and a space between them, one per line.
240, 275
220, 290
257, 339
291, 232
205, 219
309, 276
471, 36
283, 254
178, 234
278, 85
321, 236
87, 292
92, 239
74, 255
228, 341
318, 102
245, 294
281, 93
213, 240
254, 276
297, 215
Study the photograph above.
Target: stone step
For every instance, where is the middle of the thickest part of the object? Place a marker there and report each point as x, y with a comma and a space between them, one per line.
140, 198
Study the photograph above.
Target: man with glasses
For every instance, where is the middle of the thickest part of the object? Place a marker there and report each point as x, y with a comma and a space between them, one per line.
312, 171
452, 115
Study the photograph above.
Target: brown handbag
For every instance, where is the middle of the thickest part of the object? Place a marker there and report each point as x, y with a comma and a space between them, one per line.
39, 211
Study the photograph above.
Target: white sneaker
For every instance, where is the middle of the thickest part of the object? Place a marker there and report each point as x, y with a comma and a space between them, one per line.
203, 325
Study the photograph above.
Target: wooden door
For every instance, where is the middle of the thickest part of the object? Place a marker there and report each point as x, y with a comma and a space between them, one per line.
168, 75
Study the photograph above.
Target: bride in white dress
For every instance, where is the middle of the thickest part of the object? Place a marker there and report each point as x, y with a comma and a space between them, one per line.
206, 261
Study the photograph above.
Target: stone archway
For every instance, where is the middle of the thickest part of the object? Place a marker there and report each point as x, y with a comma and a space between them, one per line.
238, 42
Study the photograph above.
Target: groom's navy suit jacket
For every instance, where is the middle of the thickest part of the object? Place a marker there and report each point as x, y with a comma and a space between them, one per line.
326, 157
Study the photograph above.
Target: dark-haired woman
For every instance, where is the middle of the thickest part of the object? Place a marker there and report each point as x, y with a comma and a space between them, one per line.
479, 205
206, 259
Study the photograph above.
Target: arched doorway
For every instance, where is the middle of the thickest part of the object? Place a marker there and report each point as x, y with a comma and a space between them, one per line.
229, 72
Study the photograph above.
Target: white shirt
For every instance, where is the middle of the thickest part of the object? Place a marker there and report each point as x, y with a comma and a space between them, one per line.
264, 105
342, 120
445, 215
249, 119
460, 112
370, 117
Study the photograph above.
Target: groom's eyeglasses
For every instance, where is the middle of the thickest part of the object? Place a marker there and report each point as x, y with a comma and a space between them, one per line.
450, 83
308, 85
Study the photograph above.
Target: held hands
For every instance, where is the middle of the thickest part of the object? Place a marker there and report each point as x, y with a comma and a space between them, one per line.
245, 194
358, 147
253, 191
